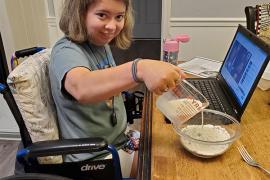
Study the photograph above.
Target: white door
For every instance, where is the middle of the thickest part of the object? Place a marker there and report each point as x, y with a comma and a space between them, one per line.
147, 19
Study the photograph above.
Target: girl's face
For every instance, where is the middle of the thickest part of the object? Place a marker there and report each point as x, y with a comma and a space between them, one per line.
104, 20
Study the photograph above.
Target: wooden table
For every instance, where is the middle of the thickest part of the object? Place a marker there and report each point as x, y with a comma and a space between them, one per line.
161, 156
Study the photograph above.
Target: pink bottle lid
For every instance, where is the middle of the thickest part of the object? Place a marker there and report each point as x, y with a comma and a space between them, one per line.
182, 38
170, 46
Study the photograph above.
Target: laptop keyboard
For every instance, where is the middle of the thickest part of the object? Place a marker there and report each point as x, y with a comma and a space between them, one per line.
207, 89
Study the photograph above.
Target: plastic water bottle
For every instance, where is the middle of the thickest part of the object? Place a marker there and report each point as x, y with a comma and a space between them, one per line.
171, 48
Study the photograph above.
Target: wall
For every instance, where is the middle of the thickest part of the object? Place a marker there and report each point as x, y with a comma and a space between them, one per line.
28, 23
210, 23
22, 24
5, 29
211, 8
54, 11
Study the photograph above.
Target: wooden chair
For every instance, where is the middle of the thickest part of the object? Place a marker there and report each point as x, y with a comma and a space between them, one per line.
258, 20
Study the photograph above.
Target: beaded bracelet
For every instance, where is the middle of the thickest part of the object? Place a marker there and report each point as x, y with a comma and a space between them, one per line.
134, 70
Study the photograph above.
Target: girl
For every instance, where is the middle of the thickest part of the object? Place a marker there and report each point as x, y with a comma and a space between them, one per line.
86, 84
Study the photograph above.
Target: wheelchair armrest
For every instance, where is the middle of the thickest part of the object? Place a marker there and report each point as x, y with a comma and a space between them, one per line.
27, 52
63, 146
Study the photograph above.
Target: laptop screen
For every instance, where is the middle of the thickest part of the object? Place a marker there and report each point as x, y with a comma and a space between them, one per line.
242, 65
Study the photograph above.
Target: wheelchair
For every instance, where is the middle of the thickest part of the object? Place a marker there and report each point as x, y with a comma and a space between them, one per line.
28, 156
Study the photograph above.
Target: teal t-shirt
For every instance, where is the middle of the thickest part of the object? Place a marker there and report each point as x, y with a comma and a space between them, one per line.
84, 120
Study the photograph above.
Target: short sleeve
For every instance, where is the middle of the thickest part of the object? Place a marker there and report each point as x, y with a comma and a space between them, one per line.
65, 59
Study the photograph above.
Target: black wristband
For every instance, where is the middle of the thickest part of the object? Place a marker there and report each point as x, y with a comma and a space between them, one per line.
134, 70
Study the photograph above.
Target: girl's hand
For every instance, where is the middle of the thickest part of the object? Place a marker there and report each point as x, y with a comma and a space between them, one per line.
158, 76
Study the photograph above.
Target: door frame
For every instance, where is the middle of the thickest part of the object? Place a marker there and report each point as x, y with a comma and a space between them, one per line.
165, 22
8, 41
165, 18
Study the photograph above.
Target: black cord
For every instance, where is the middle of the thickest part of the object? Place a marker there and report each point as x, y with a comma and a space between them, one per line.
113, 115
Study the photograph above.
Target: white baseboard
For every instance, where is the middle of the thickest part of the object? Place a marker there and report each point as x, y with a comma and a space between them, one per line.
10, 136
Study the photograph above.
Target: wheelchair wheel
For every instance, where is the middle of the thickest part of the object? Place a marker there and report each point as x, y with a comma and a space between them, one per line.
35, 176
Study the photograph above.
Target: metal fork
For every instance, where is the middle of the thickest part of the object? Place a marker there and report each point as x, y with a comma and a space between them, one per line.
245, 155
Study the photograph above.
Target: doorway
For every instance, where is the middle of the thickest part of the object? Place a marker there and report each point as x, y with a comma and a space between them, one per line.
146, 34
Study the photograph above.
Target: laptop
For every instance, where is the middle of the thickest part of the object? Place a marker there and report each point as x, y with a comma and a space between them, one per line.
242, 68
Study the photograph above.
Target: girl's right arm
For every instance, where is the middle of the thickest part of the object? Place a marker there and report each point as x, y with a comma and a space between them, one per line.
92, 86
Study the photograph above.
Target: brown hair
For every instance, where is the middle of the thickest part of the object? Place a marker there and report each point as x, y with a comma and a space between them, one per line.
72, 22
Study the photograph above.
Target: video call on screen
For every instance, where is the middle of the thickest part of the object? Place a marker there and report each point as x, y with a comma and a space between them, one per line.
242, 66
